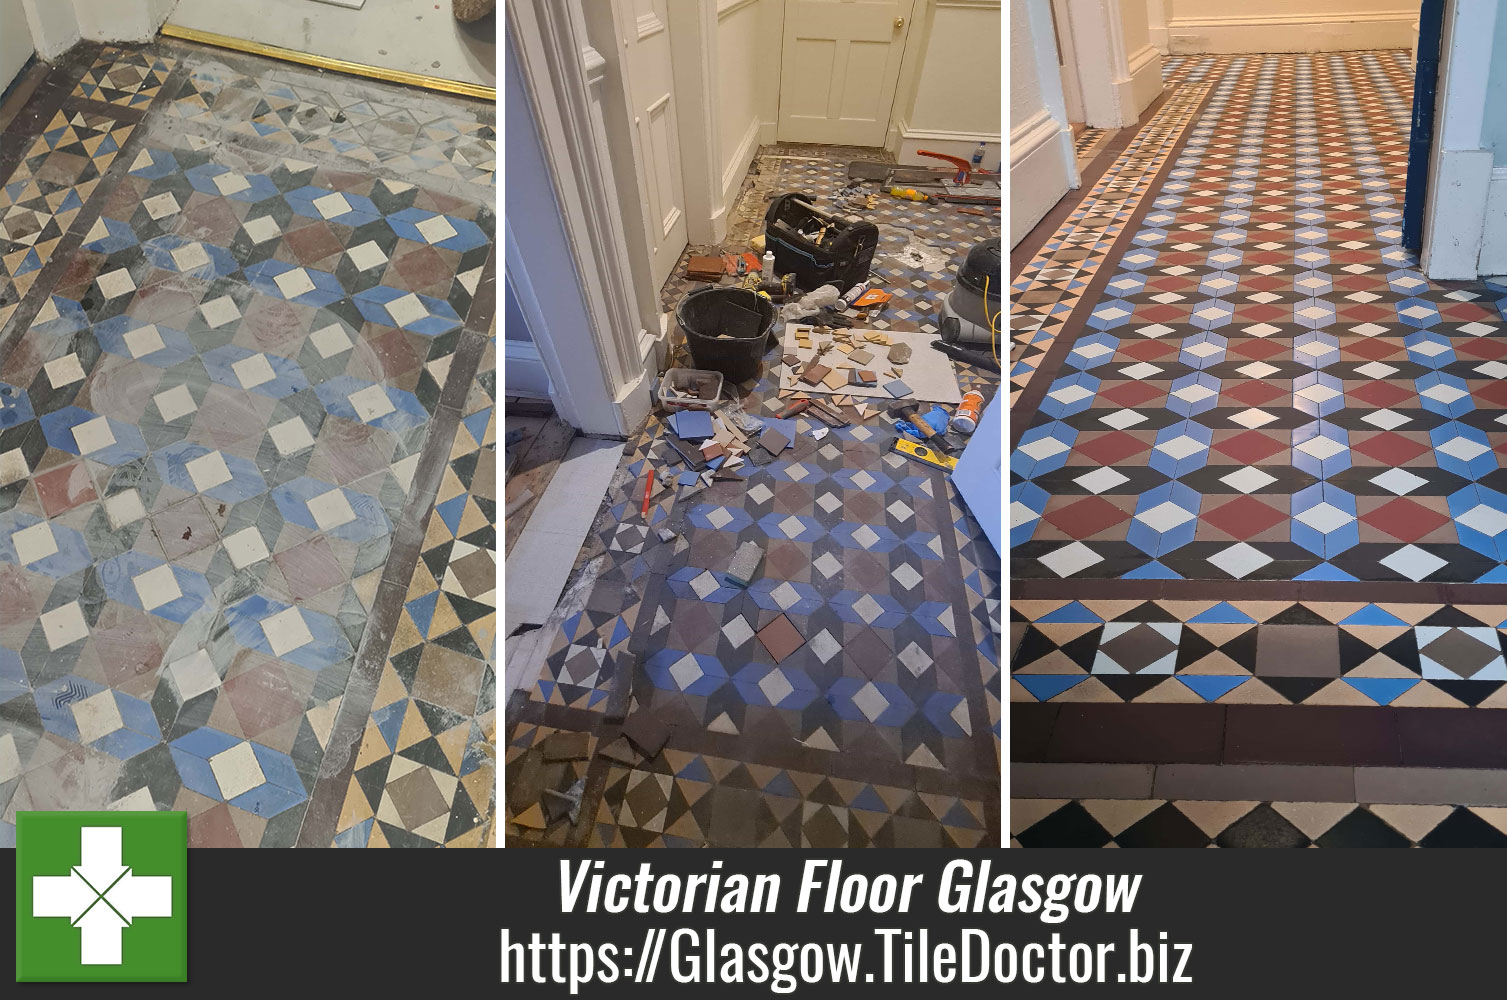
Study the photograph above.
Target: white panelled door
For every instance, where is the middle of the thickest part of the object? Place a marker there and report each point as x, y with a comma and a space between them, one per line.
651, 91
838, 67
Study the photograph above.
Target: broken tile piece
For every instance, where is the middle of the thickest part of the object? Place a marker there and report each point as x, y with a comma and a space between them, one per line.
897, 388
814, 374
899, 353
565, 746
558, 805
781, 638
835, 380
693, 425
647, 734
773, 441
745, 563
861, 357
621, 751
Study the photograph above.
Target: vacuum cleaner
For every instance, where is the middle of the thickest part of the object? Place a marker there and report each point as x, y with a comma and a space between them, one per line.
963, 319
975, 299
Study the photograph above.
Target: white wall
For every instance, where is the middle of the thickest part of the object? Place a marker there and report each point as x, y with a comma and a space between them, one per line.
15, 41
1290, 25
956, 103
1042, 168
1494, 127
57, 25
1461, 177
1493, 258
746, 75
413, 37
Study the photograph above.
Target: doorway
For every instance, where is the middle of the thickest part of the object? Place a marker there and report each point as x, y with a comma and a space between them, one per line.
839, 64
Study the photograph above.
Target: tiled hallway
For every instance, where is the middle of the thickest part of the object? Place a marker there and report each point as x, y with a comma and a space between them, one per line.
881, 728
1259, 523
246, 451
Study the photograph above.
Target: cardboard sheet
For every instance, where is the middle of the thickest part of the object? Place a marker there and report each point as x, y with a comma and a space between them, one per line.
929, 374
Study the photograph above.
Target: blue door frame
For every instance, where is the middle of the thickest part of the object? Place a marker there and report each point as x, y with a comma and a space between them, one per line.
1421, 140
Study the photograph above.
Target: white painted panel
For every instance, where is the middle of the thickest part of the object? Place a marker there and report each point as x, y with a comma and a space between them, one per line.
650, 87
839, 64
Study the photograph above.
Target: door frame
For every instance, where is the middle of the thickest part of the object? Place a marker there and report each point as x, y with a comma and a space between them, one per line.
1067, 61
1460, 173
569, 259
1107, 74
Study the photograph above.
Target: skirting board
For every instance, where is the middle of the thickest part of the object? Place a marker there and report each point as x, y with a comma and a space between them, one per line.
908, 140
1041, 171
1145, 78
1292, 32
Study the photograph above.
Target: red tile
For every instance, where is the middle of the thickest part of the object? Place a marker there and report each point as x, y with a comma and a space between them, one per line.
1254, 393
1244, 517
1404, 519
1113, 447
1147, 350
1492, 393
1382, 394
1481, 347
1389, 448
1130, 394
1257, 349
64, 488
1370, 348
1249, 447
1087, 517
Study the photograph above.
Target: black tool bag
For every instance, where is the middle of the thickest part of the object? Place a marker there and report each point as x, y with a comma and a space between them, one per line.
842, 258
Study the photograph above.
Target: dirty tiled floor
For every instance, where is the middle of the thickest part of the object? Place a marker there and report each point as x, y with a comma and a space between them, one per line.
1257, 507
243, 445
880, 729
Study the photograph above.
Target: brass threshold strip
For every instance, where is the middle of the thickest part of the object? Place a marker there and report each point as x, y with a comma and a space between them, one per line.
326, 62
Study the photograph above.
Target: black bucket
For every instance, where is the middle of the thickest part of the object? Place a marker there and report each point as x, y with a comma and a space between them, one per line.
727, 329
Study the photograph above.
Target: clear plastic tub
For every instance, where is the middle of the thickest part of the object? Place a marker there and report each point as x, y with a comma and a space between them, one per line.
690, 389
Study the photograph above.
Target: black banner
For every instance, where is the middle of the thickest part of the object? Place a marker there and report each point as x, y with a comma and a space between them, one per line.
1203, 923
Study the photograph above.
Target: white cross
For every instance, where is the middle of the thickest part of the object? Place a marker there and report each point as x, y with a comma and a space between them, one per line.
101, 896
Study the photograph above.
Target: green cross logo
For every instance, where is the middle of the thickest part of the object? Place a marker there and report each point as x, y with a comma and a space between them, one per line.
101, 897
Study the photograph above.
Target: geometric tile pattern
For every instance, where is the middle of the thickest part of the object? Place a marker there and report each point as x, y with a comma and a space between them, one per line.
426, 774
1049, 286
214, 398
1257, 468
43, 194
881, 726
1193, 823
687, 799
1431, 655
1281, 393
131, 78
409, 132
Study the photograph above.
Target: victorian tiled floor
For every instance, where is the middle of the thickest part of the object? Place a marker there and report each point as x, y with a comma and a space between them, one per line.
1258, 519
246, 496
881, 727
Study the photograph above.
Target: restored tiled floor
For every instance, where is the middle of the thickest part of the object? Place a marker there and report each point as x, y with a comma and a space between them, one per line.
882, 728
1255, 481
242, 309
